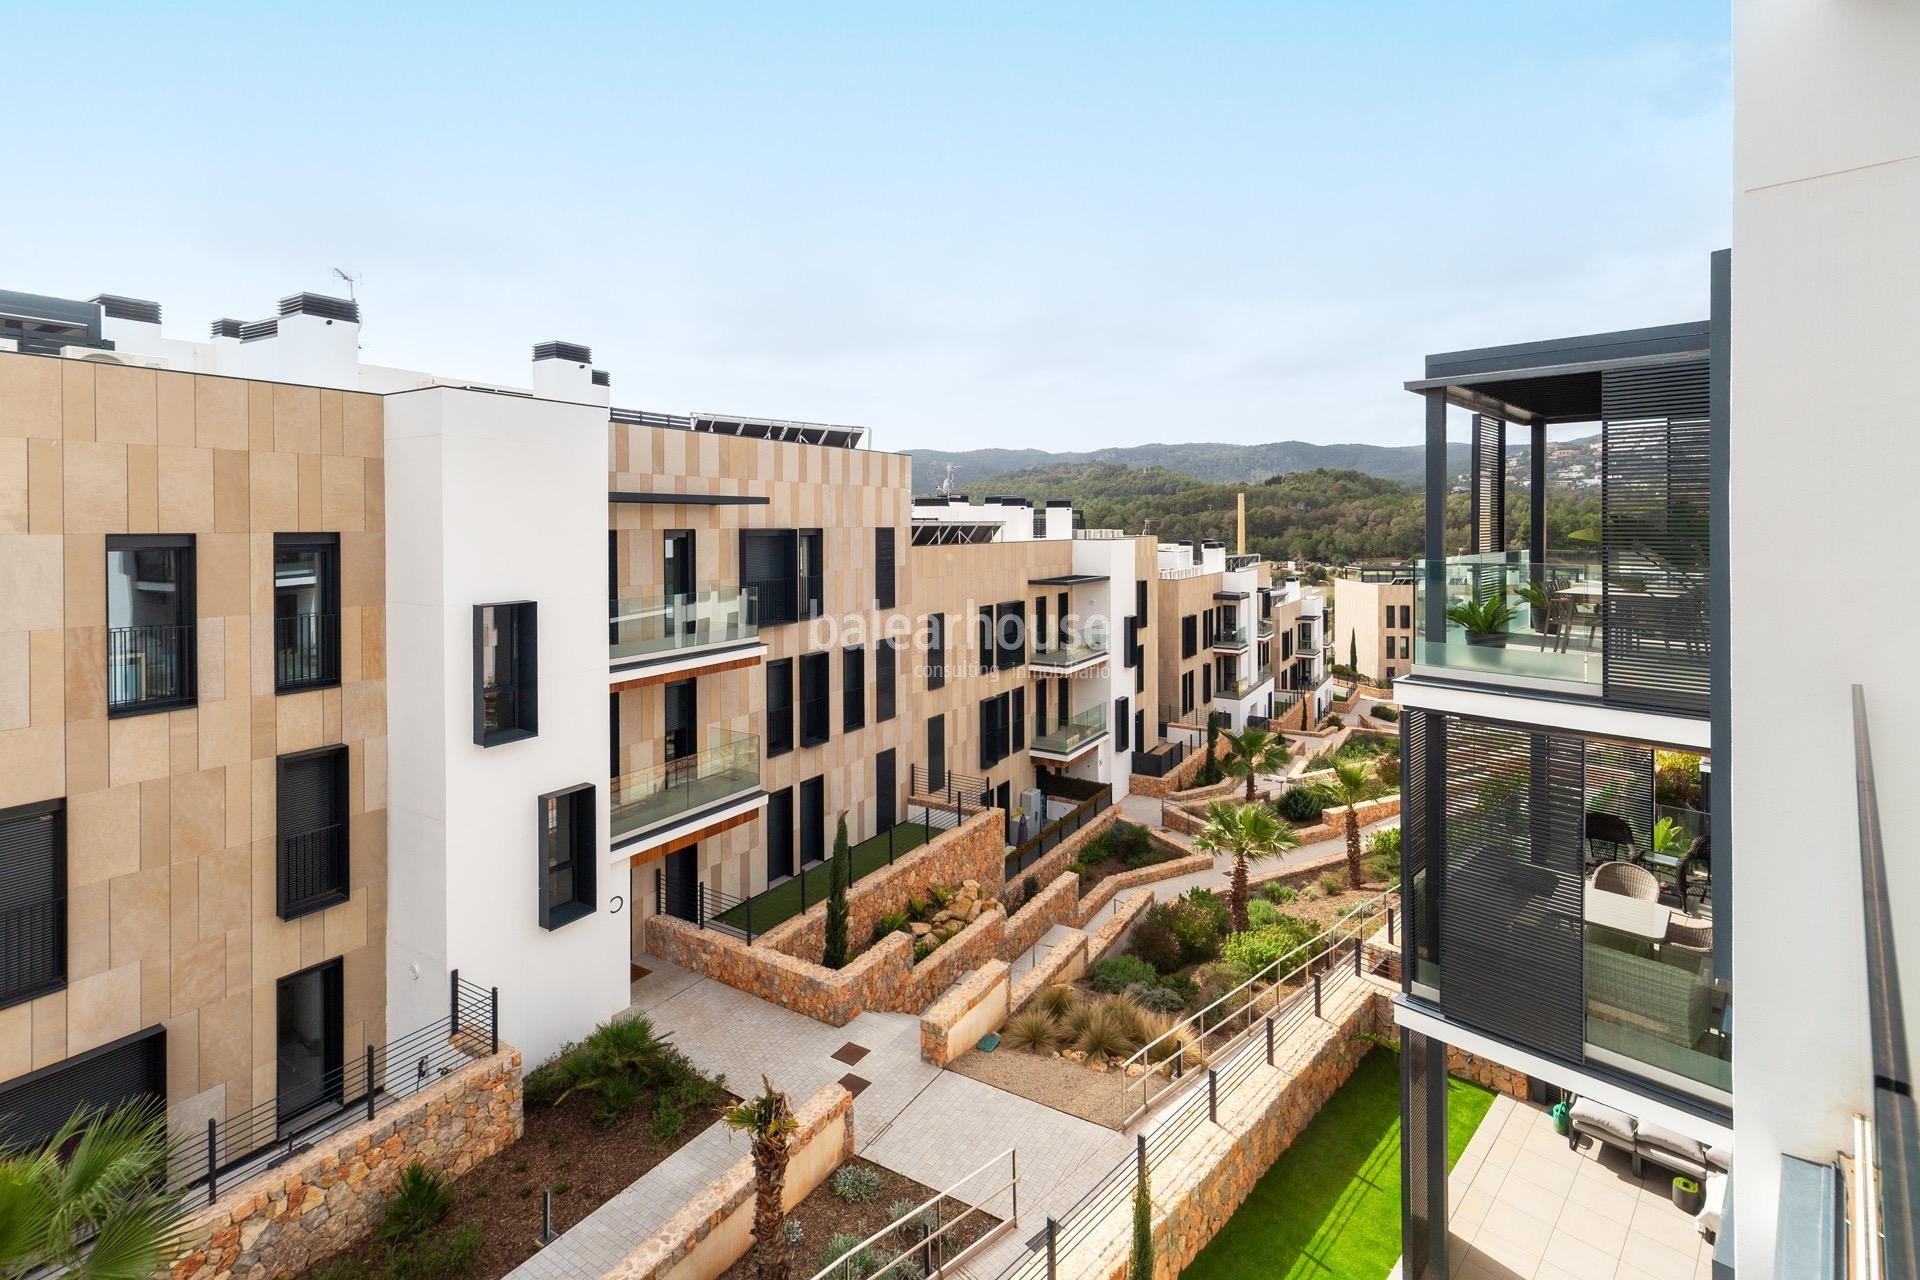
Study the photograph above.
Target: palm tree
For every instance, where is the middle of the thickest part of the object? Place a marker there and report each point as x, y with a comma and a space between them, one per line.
1351, 779
91, 1201
769, 1118
1252, 752
1246, 833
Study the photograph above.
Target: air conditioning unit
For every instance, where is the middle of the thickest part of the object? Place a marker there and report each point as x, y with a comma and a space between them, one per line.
95, 355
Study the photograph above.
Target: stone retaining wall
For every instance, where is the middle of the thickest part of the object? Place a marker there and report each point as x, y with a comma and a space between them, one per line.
1486, 1073
1065, 962
1107, 889
1055, 860
1180, 776
291, 1218
1057, 903
1129, 910
714, 1229
968, 949
974, 850
972, 1007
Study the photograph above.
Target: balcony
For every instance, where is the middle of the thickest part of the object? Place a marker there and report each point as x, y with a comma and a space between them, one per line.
1506, 621
1074, 650
683, 632
1068, 740
149, 668
1230, 639
1265, 629
1234, 688
306, 651
649, 798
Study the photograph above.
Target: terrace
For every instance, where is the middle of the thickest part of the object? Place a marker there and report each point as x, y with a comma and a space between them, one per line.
1067, 740
647, 800
1076, 649
670, 633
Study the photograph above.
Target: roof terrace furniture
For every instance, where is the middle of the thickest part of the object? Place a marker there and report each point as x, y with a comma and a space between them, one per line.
1643, 1141
1625, 914
1628, 879
1608, 829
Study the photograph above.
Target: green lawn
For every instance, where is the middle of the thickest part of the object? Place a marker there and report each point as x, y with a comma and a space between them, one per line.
1329, 1209
782, 902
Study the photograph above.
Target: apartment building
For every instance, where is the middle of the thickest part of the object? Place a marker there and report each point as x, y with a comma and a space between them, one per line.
1373, 620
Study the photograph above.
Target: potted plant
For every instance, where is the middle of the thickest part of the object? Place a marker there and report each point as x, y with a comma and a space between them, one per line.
1483, 620
1686, 1194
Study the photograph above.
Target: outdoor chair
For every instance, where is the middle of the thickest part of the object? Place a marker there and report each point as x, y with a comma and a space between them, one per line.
1690, 934
1693, 878
1627, 878
1591, 616
1560, 611
1611, 830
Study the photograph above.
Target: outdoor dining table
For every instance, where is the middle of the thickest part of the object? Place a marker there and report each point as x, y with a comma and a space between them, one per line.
1624, 914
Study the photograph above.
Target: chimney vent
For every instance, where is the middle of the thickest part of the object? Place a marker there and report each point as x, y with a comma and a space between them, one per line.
601, 378
116, 307
226, 328
318, 304
254, 330
557, 350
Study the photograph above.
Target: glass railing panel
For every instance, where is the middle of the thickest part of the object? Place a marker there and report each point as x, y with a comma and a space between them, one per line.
644, 626
1504, 619
1082, 644
1242, 685
1077, 729
730, 764
1653, 1001
1230, 638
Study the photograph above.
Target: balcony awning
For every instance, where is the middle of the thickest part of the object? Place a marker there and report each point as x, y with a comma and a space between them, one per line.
688, 499
1231, 595
1557, 380
1068, 580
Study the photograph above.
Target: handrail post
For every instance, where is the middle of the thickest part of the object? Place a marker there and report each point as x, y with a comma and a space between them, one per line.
493, 1020
213, 1165
453, 1003
369, 1082
1356, 955
1013, 1172
1269, 1039
1390, 926
1213, 1096
1053, 1231
1139, 1158
1316, 995
700, 903
749, 915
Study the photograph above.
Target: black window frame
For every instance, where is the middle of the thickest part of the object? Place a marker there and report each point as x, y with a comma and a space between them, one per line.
1122, 724
996, 728
780, 846
813, 835
853, 688
937, 753
816, 708
184, 644
1189, 635
936, 651
290, 904
984, 637
556, 912
885, 594
1017, 721
886, 676
776, 600
1186, 693
525, 689
1010, 652
810, 572
325, 668
34, 1106
331, 975
780, 710
42, 822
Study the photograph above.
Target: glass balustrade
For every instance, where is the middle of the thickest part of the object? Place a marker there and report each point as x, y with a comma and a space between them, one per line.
1507, 617
1060, 737
651, 626
647, 797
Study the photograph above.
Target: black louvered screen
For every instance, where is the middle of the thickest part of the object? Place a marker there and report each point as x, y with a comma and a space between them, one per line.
312, 815
1422, 802
36, 1105
33, 901
767, 570
1655, 504
1416, 1124
883, 592
1510, 926
1620, 782
1489, 483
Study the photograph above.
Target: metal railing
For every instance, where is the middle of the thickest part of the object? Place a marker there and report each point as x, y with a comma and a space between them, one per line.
33, 948
1070, 647
306, 650
1034, 847
1161, 761
254, 1141
1068, 735
643, 626
313, 865
149, 666
1230, 637
930, 1228
647, 797
1241, 686
1207, 1084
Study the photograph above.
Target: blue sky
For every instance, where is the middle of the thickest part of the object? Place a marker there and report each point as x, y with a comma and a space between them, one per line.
1050, 225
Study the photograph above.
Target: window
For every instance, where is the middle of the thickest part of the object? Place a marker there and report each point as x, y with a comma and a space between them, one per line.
306, 611
780, 835
1206, 684
996, 730
1207, 621
151, 655
311, 807
1140, 601
1140, 678
936, 651
936, 753
1040, 707
813, 571
886, 788
815, 726
1121, 724
886, 658
883, 593
1186, 692
1010, 634
1406, 617
853, 688
506, 672
1406, 647
1392, 672
780, 707
1189, 629
813, 821
984, 637
33, 901
1039, 624
1129, 649
1389, 617
566, 855
769, 570
309, 1041
1017, 720
35, 1105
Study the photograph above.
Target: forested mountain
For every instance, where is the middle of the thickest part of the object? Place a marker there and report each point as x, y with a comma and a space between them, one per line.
1211, 463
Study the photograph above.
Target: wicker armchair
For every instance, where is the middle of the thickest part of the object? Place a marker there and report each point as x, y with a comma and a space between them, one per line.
1627, 878
1690, 933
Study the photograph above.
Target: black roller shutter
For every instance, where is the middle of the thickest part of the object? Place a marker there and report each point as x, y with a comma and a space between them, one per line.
33, 901
883, 568
37, 1104
312, 812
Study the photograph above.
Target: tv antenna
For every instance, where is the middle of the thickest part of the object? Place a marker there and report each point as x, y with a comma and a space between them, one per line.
351, 279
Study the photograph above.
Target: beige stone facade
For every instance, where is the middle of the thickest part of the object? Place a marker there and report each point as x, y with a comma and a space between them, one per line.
1373, 624
170, 818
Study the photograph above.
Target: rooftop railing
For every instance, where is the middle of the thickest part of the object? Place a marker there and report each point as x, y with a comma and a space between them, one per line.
648, 797
650, 626
1508, 617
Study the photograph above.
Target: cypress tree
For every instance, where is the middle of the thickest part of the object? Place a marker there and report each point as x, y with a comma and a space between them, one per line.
834, 953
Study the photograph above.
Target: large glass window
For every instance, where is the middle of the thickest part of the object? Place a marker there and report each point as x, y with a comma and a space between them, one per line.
936, 651
886, 666
308, 1041
780, 707
853, 688
306, 611
816, 725
151, 654
506, 684
311, 798
566, 856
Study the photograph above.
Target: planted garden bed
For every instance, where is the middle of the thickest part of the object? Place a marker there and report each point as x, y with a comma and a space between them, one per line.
858, 1200
598, 1116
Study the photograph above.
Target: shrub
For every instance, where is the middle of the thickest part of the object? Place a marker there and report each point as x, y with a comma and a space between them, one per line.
1155, 998
614, 1099
1257, 948
624, 1049
1153, 940
1302, 804
924, 948
860, 1263
856, 1184
1216, 980
1210, 902
1260, 912
1056, 999
1126, 1018
1182, 1042
1333, 882
1334, 721
891, 922
1029, 889
1386, 771
792, 1231
438, 1257
1078, 1019
1385, 711
1117, 973
1104, 1034
1198, 931
1031, 1029
420, 1199
1181, 985
1275, 892
834, 953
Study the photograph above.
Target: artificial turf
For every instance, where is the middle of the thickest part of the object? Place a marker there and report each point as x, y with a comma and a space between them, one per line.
782, 902
1329, 1209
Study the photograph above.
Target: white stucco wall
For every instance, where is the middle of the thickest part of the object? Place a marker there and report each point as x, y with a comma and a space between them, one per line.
1826, 322
494, 498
